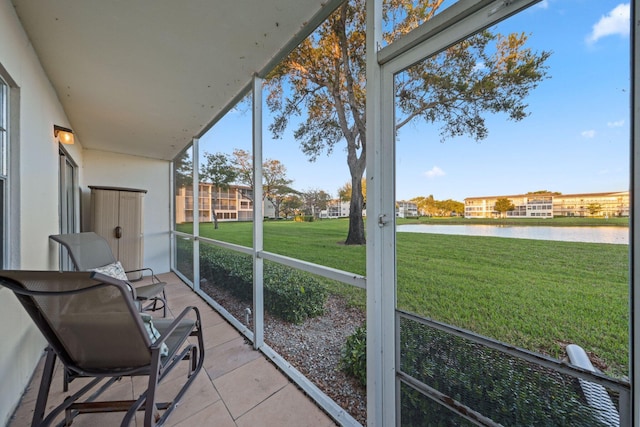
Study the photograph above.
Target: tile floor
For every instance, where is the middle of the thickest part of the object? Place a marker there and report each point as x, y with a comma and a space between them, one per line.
237, 386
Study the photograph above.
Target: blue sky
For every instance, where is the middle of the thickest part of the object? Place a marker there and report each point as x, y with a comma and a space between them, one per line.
575, 140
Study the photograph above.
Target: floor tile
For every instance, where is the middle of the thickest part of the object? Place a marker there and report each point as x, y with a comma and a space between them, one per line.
229, 356
250, 384
287, 408
218, 334
199, 395
215, 414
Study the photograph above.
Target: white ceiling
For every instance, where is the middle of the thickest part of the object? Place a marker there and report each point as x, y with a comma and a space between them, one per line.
144, 77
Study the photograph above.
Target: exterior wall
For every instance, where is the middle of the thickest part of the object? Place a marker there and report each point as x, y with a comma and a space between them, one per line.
118, 170
475, 208
33, 211
548, 206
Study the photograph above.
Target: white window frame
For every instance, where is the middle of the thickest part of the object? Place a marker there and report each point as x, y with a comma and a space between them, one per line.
9, 171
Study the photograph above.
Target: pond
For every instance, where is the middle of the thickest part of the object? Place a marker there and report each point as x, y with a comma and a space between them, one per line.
604, 234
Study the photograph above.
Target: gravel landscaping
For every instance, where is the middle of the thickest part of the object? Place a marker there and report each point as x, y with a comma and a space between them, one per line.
312, 347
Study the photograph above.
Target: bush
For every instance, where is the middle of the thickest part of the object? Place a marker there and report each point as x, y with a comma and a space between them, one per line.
354, 355
292, 295
184, 257
504, 388
289, 294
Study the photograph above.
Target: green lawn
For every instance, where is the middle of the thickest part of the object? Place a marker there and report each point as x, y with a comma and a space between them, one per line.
534, 294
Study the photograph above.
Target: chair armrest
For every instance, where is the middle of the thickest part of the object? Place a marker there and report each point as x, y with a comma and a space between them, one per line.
154, 278
112, 280
176, 322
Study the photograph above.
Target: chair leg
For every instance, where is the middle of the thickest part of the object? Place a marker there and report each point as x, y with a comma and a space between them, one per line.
150, 413
164, 304
65, 380
45, 386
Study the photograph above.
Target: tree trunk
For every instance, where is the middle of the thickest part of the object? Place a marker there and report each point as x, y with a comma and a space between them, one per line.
213, 213
276, 206
356, 234
357, 165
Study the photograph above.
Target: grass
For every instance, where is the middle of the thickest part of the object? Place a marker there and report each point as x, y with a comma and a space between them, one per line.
539, 295
319, 242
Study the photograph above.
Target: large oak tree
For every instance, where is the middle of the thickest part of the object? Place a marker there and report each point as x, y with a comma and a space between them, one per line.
323, 80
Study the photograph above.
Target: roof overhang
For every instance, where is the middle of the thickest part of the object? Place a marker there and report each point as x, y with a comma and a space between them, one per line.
144, 77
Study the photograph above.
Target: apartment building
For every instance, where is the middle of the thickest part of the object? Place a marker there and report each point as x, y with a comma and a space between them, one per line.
611, 204
234, 203
549, 205
406, 209
335, 209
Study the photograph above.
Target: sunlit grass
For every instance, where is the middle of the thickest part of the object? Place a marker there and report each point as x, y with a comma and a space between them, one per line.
539, 295
534, 294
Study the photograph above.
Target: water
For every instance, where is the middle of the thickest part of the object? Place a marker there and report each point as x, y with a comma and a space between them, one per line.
614, 235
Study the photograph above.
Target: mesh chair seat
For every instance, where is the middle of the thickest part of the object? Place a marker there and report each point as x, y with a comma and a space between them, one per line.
90, 251
92, 325
148, 292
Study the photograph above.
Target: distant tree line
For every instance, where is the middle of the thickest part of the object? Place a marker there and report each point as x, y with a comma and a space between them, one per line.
431, 207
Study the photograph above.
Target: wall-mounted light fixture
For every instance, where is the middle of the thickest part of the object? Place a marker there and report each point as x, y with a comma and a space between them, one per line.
63, 135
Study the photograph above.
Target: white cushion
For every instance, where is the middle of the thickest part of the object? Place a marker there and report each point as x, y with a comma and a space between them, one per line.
114, 270
154, 334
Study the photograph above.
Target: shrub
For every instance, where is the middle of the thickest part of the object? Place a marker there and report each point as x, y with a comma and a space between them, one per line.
503, 388
184, 257
289, 294
354, 355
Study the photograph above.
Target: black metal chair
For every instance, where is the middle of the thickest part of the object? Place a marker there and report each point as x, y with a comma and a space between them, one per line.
93, 326
91, 252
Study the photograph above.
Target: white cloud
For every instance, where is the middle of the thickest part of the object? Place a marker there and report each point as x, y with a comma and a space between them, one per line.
615, 22
544, 4
616, 124
435, 171
588, 133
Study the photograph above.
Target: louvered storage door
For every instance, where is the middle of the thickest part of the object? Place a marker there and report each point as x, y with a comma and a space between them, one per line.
117, 215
